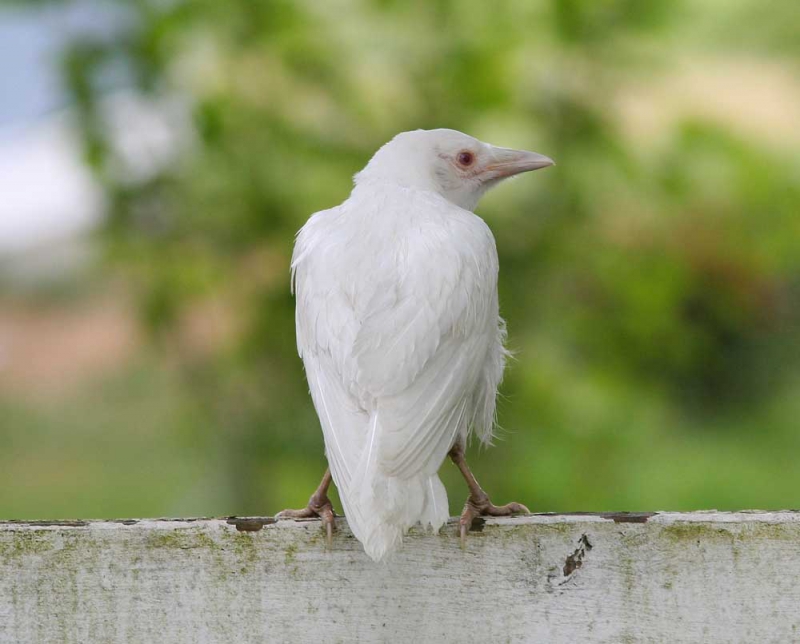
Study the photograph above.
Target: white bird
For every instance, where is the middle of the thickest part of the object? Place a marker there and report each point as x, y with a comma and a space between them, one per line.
399, 330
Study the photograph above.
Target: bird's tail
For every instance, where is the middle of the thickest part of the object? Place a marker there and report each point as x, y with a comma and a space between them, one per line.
380, 509
380, 517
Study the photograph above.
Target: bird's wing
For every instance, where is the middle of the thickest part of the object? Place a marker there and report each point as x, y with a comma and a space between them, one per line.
326, 326
424, 340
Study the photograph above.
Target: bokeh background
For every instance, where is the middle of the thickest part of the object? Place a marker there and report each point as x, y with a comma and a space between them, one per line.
157, 157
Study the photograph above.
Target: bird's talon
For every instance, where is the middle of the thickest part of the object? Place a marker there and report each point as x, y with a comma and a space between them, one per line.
482, 507
463, 533
305, 513
317, 508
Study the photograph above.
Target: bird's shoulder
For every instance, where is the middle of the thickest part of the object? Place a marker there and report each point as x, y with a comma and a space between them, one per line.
420, 221
394, 215
317, 225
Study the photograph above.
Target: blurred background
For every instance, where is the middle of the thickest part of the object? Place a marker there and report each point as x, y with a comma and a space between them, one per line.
157, 157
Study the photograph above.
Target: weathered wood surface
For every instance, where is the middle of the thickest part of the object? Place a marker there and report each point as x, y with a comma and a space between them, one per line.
668, 577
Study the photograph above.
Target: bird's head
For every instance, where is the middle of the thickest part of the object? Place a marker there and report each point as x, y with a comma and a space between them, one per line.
457, 166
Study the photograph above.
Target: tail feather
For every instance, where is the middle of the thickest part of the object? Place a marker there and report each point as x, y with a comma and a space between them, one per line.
380, 520
380, 509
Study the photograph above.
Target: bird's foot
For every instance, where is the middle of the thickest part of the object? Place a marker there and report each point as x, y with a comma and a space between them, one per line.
318, 506
480, 506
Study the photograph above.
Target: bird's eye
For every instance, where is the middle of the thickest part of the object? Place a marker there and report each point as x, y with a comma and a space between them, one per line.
465, 158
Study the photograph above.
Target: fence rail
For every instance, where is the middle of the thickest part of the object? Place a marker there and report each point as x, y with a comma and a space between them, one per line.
645, 577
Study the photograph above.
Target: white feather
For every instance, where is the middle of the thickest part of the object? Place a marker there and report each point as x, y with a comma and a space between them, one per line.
398, 327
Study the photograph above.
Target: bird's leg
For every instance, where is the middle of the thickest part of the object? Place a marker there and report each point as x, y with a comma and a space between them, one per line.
319, 505
478, 503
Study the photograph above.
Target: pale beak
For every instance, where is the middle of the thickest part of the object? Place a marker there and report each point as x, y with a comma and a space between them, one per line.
507, 162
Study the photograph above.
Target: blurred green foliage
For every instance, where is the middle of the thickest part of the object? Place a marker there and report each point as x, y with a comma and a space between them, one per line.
651, 285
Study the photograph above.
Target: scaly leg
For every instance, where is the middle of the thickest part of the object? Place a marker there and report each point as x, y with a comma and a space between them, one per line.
478, 503
319, 505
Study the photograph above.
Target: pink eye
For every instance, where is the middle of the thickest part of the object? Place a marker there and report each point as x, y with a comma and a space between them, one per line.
465, 158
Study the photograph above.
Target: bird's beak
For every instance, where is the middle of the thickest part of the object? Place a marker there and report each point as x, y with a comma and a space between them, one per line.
507, 162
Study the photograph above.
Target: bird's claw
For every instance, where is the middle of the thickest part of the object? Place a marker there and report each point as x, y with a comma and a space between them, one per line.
316, 508
483, 507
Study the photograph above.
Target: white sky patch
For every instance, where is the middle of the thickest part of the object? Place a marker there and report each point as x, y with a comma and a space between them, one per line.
146, 134
48, 197
46, 192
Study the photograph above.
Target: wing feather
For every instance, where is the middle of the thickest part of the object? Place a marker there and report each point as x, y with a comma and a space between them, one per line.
425, 340
396, 326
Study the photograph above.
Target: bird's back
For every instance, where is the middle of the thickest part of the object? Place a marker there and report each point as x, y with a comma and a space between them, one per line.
398, 328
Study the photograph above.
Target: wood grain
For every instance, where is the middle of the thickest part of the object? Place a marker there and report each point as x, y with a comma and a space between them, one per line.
647, 577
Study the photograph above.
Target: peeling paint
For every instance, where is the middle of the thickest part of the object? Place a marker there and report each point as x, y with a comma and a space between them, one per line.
575, 560
628, 517
250, 524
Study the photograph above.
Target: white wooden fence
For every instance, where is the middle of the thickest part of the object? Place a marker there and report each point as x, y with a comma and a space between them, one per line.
700, 577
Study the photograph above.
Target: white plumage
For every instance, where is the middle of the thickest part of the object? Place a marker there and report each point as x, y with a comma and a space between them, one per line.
398, 325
